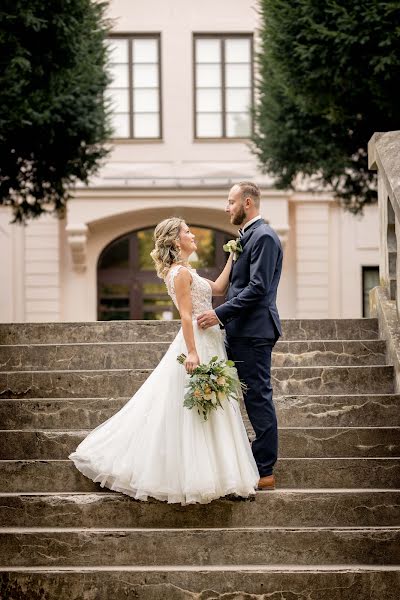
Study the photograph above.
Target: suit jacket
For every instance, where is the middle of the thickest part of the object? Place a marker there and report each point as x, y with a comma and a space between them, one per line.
250, 307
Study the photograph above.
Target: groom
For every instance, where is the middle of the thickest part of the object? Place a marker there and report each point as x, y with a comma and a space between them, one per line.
251, 319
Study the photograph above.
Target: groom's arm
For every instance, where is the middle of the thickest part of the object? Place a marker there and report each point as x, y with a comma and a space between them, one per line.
263, 258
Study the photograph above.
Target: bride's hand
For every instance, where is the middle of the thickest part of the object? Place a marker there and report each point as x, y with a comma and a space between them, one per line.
192, 361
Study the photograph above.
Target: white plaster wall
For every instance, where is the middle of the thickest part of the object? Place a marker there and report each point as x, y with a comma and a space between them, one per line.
332, 246
42, 270
312, 259
30, 273
359, 246
286, 298
12, 273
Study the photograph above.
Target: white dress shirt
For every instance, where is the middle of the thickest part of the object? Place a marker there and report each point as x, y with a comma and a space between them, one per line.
246, 225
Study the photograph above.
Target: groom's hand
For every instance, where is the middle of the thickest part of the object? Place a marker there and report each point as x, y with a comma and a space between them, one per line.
207, 319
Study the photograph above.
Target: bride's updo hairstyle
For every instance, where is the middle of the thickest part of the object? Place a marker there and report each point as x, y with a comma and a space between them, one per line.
166, 251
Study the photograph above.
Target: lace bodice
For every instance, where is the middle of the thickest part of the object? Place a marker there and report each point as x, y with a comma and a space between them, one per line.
200, 288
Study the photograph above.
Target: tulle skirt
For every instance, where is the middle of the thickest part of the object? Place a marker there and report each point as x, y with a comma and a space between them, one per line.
155, 447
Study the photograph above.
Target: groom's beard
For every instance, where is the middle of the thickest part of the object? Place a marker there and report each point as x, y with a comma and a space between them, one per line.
239, 217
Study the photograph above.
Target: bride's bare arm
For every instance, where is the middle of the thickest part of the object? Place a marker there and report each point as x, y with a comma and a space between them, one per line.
184, 300
220, 285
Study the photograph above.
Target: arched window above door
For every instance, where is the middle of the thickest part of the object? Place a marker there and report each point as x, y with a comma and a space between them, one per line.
127, 283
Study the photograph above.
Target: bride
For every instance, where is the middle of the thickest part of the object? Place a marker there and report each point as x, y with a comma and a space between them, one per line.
154, 446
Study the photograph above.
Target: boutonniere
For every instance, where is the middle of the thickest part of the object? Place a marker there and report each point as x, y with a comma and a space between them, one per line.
234, 247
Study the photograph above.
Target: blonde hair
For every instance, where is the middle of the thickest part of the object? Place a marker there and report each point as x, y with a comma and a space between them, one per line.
165, 252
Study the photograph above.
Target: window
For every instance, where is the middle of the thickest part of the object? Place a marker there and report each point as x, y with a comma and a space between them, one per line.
370, 279
135, 90
223, 81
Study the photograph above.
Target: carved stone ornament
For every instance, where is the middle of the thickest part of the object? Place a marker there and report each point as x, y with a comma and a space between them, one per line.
77, 239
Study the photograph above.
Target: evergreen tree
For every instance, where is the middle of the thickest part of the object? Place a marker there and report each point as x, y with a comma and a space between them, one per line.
329, 78
53, 118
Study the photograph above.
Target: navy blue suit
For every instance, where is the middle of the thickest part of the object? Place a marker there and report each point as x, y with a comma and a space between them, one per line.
252, 325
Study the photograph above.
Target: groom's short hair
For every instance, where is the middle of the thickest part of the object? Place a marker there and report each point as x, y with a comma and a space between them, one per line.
248, 188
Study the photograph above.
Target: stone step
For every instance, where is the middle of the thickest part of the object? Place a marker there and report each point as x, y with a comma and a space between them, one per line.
294, 442
199, 546
291, 473
125, 382
338, 410
146, 355
285, 582
282, 508
161, 331
303, 411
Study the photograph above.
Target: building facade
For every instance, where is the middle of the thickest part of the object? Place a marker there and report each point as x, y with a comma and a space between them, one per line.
183, 82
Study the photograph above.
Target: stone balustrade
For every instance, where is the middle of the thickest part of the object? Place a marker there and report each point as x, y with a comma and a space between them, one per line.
384, 156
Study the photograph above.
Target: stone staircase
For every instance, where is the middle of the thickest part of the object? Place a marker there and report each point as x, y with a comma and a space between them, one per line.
330, 531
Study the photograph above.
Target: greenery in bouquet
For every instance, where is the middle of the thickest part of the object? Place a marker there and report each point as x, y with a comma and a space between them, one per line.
210, 384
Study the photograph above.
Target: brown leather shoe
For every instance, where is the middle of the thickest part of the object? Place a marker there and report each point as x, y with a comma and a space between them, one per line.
267, 483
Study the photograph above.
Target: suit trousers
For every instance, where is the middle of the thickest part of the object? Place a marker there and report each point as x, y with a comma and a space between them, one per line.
252, 357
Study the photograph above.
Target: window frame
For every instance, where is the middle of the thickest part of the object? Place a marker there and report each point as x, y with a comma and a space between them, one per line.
130, 37
222, 36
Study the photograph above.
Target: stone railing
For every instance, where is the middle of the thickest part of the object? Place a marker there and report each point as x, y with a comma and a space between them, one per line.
384, 156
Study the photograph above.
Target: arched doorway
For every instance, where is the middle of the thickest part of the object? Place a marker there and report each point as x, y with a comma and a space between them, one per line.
127, 284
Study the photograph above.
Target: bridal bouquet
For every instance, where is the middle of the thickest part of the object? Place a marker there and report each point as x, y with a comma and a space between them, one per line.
210, 384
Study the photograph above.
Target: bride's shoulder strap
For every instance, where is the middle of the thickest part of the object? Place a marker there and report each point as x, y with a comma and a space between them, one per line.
173, 272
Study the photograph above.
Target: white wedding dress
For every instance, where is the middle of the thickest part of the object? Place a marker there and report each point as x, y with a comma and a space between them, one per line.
153, 446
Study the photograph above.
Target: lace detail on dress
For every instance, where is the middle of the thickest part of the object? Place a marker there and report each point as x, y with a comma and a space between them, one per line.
200, 290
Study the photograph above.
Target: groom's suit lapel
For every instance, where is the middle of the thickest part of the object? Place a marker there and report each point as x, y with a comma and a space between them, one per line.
244, 239
249, 231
